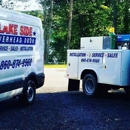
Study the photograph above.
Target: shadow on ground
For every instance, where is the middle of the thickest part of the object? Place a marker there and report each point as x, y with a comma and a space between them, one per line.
68, 110
66, 97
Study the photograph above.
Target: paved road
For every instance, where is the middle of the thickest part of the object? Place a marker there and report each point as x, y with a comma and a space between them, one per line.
55, 81
57, 109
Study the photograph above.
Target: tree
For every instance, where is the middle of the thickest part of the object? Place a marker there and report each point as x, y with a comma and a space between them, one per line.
47, 24
90, 18
58, 44
70, 23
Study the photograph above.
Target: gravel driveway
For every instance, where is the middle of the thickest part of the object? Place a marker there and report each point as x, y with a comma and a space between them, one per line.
57, 109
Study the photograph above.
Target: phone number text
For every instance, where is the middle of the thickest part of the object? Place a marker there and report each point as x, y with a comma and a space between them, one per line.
7, 64
90, 60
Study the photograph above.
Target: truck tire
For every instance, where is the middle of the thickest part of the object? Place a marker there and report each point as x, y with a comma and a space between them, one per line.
29, 92
90, 85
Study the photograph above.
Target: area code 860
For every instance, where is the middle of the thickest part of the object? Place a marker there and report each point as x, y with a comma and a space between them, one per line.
7, 64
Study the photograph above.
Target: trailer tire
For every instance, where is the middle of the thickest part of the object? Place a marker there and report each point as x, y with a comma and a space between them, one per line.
29, 92
90, 85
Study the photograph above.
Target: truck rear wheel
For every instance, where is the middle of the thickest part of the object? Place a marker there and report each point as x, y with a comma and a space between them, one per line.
29, 92
90, 85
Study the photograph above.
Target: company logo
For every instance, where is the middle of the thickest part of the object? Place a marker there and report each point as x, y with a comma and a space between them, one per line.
14, 34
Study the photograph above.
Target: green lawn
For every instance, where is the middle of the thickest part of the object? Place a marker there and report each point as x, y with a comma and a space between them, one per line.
55, 66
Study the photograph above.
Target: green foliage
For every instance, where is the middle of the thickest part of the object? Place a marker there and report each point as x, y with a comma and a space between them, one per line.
90, 18
36, 13
123, 17
59, 32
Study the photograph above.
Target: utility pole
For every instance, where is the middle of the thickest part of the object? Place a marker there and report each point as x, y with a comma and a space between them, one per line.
70, 24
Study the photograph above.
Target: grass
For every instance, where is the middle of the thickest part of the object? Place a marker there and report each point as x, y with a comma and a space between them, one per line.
55, 66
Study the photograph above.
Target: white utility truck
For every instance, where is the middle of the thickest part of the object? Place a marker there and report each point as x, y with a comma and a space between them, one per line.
99, 66
21, 56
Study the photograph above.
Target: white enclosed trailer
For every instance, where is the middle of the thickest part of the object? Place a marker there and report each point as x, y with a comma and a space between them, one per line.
98, 66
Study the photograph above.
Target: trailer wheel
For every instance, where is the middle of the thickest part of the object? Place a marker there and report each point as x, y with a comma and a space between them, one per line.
29, 92
89, 85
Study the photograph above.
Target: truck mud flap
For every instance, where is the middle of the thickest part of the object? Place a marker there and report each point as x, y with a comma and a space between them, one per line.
73, 85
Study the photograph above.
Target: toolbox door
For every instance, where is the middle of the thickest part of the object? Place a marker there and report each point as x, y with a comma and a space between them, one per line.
72, 64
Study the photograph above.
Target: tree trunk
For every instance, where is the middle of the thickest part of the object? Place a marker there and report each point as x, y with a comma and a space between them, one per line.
47, 28
70, 24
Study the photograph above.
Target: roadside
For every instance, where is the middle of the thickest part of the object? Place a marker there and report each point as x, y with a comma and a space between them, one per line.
55, 80
55, 66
